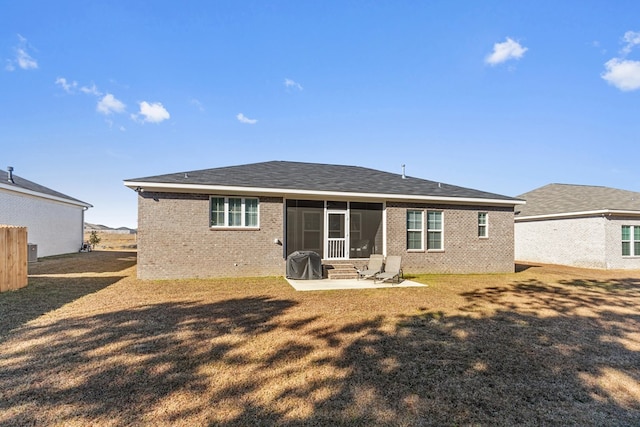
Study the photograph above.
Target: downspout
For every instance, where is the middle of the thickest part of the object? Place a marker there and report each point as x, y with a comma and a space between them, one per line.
82, 227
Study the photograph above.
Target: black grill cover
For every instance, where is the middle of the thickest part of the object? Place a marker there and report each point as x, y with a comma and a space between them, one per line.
305, 265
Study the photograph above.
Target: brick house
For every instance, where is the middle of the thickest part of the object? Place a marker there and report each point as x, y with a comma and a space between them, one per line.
54, 220
245, 220
579, 225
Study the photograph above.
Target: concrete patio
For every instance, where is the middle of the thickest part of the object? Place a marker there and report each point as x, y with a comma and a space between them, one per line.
340, 284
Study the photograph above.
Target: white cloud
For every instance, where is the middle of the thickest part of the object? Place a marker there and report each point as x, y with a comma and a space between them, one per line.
110, 104
112, 124
152, 113
22, 58
623, 74
292, 84
243, 119
198, 104
505, 51
90, 90
72, 86
25, 61
68, 87
632, 39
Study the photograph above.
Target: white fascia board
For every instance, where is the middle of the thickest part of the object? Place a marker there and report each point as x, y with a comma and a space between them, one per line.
285, 192
20, 190
600, 212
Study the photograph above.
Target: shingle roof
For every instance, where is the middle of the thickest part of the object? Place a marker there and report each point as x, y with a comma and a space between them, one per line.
21, 183
566, 198
318, 177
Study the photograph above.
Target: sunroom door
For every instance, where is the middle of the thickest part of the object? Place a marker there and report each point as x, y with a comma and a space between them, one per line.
336, 235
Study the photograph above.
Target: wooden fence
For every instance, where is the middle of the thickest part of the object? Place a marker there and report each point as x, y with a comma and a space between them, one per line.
13, 257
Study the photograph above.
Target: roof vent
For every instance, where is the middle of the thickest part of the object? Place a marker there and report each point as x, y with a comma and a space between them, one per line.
403, 174
10, 174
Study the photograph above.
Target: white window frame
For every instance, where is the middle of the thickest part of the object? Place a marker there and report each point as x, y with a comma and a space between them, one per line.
433, 230
416, 230
485, 225
226, 212
634, 245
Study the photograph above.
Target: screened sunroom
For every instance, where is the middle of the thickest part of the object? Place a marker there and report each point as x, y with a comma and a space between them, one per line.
334, 229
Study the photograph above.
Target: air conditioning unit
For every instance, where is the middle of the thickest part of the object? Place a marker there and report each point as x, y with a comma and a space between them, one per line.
32, 252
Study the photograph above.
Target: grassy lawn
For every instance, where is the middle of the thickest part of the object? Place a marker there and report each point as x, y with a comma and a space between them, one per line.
88, 344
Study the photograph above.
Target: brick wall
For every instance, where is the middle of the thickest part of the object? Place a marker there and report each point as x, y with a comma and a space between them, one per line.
463, 251
591, 242
614, 258
175, 240
569, 241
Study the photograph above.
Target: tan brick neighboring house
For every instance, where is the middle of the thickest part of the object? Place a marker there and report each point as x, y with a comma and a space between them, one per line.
245, 220
579, 225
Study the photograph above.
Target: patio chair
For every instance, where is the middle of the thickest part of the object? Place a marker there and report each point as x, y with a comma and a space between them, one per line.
392, 270
374, 267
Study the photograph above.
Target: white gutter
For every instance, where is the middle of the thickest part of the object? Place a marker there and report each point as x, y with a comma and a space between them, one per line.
21, 190
213, 189
578, 214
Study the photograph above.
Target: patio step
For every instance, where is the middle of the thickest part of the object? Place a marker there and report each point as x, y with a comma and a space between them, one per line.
341, 271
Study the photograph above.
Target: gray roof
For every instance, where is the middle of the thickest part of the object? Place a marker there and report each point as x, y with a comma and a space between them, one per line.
319, 177
566, 198
21, 183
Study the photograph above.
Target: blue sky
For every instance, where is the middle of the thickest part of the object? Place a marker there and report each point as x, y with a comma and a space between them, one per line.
500, 96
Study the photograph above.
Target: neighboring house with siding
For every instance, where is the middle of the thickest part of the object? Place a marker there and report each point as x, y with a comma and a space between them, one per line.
54, 220
579, 225
245, 220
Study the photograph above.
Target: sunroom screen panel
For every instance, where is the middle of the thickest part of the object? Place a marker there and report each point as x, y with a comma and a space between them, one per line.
305, 226
368, 238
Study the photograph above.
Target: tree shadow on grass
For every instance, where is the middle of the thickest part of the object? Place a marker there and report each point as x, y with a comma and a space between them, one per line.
509, 369
45, 294
526, 354
56, 281
549, 356
628, 284
114, 367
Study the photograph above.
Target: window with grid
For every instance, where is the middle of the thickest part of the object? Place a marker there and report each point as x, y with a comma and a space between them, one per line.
483, 230
251, 212
234, 212
414, 230
217, 212
630, 240
434, 230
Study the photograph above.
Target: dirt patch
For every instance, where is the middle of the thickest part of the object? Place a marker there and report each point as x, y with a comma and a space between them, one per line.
546, 346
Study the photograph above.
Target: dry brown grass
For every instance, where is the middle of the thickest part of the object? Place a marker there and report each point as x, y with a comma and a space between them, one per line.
87, 344
114, 241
